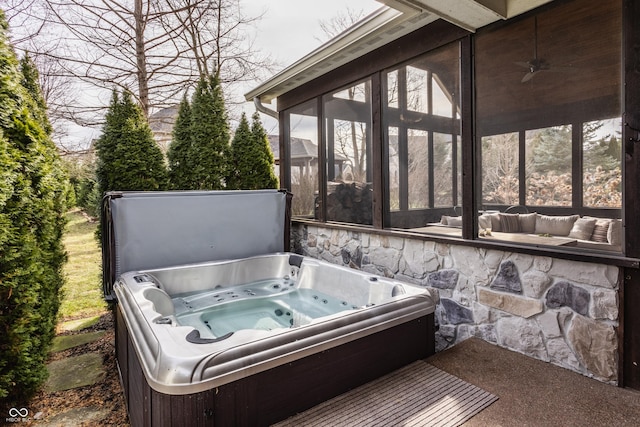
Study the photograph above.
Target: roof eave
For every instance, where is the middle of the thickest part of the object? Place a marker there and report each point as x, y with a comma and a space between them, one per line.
377, 29
394, 20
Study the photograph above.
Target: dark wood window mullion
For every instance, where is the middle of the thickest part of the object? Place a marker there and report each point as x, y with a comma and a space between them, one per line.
284, 125
368, 143
576, 165
522, 168
322, 162
431, 170
454, 151
403, 167
403, 141
471, 159
430, 162
454, 169
378, 162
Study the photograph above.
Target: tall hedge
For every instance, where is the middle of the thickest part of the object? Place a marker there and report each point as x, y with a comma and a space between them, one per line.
264, 176
127, 156
180, 169
210, 136
251, 157
241, 153
32, 207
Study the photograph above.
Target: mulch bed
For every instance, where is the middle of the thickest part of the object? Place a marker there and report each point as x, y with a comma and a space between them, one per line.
106, 394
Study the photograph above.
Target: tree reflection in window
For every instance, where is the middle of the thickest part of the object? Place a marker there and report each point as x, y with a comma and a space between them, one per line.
349, 190
602, 173
549, 172
421, 113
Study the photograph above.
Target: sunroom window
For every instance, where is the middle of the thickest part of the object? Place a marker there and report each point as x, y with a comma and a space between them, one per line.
421, 125
548, 168
303, 158
347, 135
548, 107
602, 171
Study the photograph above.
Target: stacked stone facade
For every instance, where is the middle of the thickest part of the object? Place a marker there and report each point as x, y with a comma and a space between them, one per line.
563, 312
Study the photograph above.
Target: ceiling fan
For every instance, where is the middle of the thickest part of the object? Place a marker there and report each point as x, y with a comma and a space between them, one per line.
538, 65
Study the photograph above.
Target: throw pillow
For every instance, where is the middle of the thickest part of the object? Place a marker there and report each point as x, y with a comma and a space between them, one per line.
555, 225
509, 223
528, 222
614, 234
582, 229
484, 222
495, 222
451, 221
601, 230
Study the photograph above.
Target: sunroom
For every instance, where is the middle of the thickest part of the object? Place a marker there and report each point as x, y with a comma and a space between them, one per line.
485, 150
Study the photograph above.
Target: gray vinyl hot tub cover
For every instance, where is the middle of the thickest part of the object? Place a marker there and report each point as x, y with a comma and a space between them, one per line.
147, 230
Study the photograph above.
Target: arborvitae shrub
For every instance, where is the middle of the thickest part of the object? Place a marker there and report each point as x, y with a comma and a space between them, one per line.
251, 157
208, 155
180, 169
127, 156
33, 191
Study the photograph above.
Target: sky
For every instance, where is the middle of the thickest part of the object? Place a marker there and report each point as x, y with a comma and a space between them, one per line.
290, 29
287, 31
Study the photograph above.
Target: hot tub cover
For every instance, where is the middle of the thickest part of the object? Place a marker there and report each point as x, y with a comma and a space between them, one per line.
146, 230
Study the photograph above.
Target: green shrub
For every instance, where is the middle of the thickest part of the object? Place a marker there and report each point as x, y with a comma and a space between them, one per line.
180, 169
208, 155
33, 193
128, 158
251, 157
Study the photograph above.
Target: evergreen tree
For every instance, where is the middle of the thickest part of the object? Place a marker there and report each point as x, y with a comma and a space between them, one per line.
251, 157
32, 206
210, 136
551, 148
240, 167
264, 175
30, 81
127, 156
180, 169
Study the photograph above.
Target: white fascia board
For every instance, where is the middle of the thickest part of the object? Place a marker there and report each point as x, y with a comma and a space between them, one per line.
467, 14
471, 14
379, 28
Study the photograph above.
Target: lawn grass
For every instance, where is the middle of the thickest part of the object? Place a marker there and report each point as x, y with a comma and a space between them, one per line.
83, 289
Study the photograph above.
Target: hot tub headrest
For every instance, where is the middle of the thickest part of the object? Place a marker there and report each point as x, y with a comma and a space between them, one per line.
147, 230
295, 260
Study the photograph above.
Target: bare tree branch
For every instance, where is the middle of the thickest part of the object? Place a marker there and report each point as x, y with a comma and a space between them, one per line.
157, 49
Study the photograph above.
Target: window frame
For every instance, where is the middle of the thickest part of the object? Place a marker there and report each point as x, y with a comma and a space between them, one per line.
403, 50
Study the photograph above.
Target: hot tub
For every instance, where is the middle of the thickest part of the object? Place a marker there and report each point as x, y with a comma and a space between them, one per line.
252, 340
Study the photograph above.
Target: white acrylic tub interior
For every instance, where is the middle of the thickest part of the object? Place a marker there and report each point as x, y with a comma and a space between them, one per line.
200, 326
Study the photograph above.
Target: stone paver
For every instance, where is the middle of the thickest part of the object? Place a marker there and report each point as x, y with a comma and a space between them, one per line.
64, 342
78, 324
76, 417
76, 371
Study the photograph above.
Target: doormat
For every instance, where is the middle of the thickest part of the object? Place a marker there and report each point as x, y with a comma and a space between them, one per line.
419, 395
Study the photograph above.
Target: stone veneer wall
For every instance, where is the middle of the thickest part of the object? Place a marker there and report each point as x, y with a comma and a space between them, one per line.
559, 311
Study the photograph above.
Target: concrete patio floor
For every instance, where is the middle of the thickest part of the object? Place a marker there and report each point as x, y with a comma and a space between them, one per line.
535, 393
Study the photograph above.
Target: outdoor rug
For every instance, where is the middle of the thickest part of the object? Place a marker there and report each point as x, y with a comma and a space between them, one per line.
417, 395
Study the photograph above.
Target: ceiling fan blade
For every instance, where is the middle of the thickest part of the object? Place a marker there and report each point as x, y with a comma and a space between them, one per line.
523, 64
529, 76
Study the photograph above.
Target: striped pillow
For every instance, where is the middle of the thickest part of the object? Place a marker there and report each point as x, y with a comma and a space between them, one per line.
583, 228
509, 223
600, 231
